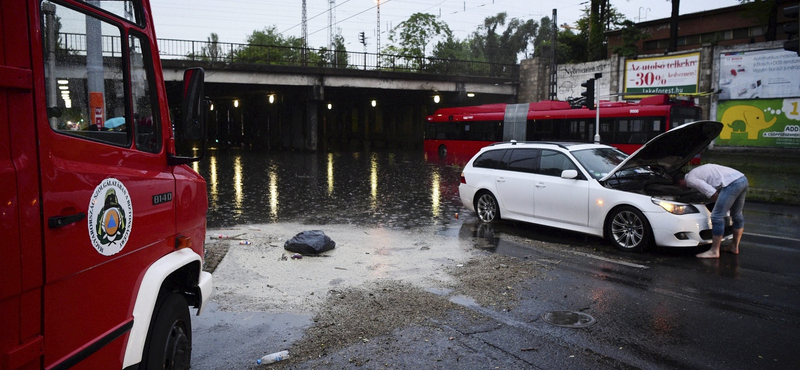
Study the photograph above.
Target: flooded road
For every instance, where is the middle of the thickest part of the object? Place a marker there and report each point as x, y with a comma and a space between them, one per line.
395, 190
663, 309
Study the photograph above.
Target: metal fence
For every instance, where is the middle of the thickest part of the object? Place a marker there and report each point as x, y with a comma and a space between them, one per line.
302, 57
309, 57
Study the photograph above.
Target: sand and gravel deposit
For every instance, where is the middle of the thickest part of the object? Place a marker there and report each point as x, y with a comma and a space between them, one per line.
375, 281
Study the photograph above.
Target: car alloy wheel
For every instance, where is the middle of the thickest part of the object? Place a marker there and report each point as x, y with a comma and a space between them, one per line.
487, 208
628, 229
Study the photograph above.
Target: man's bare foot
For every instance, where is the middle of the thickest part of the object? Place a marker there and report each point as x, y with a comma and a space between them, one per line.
708, 254
730, 249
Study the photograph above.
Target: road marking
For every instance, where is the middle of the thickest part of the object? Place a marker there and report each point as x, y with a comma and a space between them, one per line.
773, 236
629, 264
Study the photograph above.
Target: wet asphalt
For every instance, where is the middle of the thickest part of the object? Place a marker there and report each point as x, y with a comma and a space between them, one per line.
662, 309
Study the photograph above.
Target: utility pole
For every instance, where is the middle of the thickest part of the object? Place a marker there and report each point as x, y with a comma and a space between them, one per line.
378, 42
553, 61
331, 21
304, 23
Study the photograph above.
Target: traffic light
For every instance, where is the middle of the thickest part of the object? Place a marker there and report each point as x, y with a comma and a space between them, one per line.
361, 38
790, 29
589, 93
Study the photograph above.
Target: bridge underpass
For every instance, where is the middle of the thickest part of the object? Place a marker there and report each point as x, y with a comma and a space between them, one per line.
306, 108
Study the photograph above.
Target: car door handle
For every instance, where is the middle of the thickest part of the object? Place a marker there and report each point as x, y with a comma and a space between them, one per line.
540, 185
59, 221
500, 179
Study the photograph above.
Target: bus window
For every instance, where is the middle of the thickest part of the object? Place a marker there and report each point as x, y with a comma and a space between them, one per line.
681, 115
539, 129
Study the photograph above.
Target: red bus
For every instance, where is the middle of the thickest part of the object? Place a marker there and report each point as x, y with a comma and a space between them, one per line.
456, 134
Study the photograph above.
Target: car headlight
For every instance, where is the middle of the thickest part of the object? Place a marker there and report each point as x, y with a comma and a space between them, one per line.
675, 208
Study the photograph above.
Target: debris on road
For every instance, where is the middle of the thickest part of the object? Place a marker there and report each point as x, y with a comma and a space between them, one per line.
273, 358
309, 242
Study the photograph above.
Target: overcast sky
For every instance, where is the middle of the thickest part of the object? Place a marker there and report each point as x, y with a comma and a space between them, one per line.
234, 20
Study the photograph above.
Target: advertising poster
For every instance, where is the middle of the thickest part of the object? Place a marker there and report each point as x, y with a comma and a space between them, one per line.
759, 74
571, 76
676, 74
763, 122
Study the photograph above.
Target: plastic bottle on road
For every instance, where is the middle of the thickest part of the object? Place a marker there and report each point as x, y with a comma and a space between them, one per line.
273, 357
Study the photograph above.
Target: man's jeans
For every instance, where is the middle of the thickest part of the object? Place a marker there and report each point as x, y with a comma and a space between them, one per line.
730, 198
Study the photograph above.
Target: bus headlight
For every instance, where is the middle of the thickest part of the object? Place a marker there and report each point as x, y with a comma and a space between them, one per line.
675, 208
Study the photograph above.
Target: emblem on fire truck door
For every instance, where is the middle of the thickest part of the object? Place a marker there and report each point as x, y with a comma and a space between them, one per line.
110, 217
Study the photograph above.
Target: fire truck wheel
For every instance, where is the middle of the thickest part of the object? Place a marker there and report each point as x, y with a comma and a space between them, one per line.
169, 345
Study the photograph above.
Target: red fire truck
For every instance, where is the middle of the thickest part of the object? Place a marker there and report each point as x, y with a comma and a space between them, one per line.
102, 223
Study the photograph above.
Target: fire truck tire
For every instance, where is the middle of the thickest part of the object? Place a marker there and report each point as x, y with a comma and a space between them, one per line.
169, 345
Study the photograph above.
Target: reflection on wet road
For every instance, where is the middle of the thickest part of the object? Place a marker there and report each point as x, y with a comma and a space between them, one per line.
397, 190
660, 309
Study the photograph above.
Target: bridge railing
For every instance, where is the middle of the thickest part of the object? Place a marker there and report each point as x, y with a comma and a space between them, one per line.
309, 57
305, 57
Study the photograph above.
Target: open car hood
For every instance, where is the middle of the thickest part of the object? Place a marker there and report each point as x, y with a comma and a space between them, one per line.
673, 149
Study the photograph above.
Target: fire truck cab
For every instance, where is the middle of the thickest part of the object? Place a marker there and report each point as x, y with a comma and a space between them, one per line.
102, 220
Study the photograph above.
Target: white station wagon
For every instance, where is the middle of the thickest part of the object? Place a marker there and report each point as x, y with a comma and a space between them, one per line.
596, 189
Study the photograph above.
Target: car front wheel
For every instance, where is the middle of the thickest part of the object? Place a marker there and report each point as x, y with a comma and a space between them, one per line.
628, 230
486, 207
169, 343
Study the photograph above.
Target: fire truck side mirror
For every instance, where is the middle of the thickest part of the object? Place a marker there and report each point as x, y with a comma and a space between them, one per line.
190, 130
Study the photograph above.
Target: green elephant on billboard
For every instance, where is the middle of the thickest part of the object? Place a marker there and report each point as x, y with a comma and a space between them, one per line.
744, 118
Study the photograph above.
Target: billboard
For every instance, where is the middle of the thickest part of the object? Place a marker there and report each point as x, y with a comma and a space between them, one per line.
571, 76
759, 74
675, 74
760, 122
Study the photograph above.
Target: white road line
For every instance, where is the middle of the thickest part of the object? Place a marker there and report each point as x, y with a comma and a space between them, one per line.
629, 264
773, 236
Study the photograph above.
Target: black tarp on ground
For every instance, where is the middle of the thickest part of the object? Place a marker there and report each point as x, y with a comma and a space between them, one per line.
310, 242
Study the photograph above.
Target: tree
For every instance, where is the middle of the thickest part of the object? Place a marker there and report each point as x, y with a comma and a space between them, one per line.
414, 34
630, 39
596, 45
765, 12
268, 46
212, 51
673, 26
504, 47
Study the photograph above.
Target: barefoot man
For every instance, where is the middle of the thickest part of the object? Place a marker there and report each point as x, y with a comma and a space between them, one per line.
728, 188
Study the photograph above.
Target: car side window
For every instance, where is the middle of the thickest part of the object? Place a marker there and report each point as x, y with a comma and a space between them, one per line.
490, 159
552, 163
523, 160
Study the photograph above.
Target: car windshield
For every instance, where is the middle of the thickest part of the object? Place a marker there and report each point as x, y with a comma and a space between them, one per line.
599, 161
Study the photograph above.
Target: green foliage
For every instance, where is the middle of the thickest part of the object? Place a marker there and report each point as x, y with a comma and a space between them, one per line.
211, 52
630, 38
495, 46
336, 58
268, 46
414, 34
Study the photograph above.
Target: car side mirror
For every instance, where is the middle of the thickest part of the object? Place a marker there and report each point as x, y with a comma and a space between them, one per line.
190, 130
569, 174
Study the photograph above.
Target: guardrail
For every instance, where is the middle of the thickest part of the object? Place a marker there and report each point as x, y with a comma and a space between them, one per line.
304, 57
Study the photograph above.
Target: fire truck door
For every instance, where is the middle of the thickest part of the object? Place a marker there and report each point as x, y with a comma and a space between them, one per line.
107, 189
